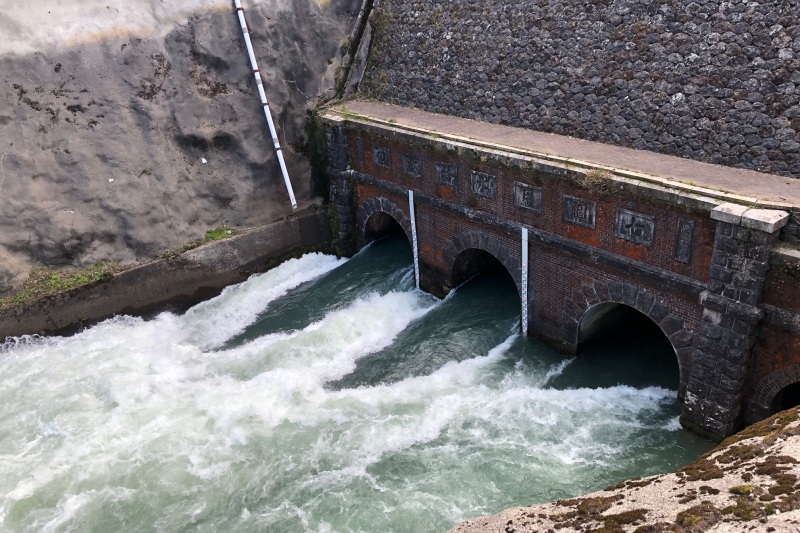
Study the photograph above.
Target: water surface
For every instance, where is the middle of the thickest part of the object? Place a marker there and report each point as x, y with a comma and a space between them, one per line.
324, 396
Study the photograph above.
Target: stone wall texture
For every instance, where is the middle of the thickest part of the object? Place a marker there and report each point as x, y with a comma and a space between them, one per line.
716, 81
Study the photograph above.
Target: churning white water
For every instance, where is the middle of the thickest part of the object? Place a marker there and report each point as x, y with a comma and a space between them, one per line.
322, 396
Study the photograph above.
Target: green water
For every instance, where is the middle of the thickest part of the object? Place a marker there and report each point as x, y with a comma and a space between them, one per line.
325, 396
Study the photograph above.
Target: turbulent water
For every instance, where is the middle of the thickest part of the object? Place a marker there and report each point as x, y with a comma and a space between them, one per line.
323, 396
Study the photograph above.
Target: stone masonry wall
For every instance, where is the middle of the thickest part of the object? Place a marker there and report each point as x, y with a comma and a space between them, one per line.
717, 81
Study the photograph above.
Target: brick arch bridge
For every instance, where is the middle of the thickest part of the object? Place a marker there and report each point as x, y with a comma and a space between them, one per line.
714, 275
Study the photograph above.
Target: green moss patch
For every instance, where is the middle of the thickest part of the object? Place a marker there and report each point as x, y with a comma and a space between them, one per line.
48, 281
698, 518
701, 470
742, 490
216, 234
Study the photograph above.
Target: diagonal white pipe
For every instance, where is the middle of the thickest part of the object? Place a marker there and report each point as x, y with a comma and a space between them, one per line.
264, 102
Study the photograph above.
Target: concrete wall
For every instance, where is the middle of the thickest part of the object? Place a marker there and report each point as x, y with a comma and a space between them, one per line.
174, 283
127, 128
716, 81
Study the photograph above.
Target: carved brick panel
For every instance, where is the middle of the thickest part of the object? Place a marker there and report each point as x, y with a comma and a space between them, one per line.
635, 227
528, 197
382, 157
484, 184
579, 211
684, 241
362, 158
412, 165
447, 174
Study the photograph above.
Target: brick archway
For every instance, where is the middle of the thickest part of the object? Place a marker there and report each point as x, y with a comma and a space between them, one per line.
602, 292
379, 204
760, 405
475, 240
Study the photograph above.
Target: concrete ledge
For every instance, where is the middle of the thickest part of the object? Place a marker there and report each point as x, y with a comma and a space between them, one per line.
766, 220
730, 213
175, 283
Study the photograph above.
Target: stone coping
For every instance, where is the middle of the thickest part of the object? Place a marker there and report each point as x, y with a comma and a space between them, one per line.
692, 178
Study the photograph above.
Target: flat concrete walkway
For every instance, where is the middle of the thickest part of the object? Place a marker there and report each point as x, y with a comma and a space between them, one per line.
767, 188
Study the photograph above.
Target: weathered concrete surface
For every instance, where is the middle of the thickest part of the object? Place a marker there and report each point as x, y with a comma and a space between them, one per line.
173, 283
127, 128
748, 483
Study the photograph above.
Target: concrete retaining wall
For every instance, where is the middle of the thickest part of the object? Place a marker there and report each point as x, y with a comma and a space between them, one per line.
174, 283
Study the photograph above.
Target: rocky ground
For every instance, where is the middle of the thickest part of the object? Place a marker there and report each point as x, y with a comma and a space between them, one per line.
748, 483
127, 128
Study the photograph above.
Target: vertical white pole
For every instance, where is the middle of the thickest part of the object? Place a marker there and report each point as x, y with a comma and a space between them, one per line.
524, 281
414, 235
264, 102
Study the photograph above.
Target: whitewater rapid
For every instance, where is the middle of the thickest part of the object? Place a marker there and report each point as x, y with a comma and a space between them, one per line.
321, 396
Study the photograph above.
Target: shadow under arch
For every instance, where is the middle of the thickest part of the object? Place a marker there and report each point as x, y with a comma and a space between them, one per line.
470, 253
778, 391
599, 308
379, 217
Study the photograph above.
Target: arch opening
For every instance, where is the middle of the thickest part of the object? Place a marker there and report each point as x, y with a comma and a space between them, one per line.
474, 261
786, 398
629, 346
380, 225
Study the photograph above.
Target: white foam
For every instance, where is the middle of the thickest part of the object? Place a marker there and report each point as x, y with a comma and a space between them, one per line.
145, 402
213, 322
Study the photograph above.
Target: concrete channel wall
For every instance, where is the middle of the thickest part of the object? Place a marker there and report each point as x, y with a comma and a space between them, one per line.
173, 283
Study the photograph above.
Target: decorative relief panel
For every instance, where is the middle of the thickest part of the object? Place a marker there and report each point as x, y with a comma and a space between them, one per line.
635, 227
382, 157
528, 196
684, 241
578, 211
484, 184
447, 174
412, 165
362, 158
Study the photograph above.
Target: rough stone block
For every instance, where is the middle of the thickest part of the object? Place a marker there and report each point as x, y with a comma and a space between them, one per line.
681, 339
766, 220
590, 294
712, 317
658, 311
756, 253
734, 340
729, 213
715, 285
749, 297
615, 289
629, 294
602, 291
719, 258
704, 344
722, 274
714, 301
572, 311
671, 324
726, 244
644, 301
711, 331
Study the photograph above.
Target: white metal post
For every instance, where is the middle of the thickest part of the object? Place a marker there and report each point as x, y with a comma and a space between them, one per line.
524, 281
414, 235
264, 102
